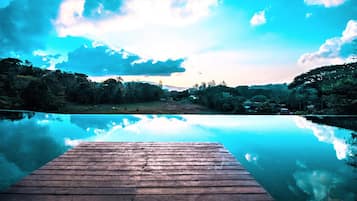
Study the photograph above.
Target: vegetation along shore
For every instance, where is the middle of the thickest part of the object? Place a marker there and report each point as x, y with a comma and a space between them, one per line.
323, 90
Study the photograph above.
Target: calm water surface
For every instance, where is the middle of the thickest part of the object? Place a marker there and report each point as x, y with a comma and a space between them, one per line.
293, 158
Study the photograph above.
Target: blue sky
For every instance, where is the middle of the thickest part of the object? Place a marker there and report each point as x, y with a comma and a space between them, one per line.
181, 42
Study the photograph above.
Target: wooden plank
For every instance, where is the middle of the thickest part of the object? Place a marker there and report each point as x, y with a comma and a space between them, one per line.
202, 177
151, 146
148, 151
147, 146
24, 197
140, 167
176, 156
131, 183
200, 190
210, 197
130, 147
145, 158
140, 171
137, 190
142, 144
216, 163
153, 153
156, 152
149, 160
162, 154
124, 150
134, 163
71, 191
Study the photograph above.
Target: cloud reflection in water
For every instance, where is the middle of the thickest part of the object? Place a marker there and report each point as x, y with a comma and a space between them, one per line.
327, 134
280, 151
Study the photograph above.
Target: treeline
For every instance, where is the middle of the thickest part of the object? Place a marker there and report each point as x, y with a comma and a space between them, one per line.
329, 89
324, 90
23, 86
268, 99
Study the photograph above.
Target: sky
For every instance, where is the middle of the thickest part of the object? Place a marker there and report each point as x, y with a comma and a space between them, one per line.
181, 42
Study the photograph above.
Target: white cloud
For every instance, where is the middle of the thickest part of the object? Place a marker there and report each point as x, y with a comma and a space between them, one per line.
308, 15
70, 12
155, 128
317, 184
258, 18
350, 33
326, 3
326, 134
203, 67
157, 125
72, 143
160, 20
330, 51
98, 131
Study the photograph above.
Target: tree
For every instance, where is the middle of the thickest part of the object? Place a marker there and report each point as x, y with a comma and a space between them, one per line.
333, 89
112, 91
37, 96
259, 98
211, 83
11, 61
28, 63
202, 86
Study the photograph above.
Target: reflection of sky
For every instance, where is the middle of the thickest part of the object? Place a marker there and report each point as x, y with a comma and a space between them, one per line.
291, 157
327, 134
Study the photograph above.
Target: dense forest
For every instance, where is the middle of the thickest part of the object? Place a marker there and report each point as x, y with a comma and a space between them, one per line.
324, 90
23, 86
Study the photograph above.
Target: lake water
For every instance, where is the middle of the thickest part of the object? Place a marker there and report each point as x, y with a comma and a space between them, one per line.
292, 157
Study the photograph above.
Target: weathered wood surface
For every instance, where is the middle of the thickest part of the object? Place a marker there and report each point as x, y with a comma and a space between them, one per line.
140, 172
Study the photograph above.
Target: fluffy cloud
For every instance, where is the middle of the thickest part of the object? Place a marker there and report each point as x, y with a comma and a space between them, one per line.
326, 3
151, 28
25, 23
88, 122
21, 153
317, 184
258, 18
334, 50
327, 134
101, 61
128, 15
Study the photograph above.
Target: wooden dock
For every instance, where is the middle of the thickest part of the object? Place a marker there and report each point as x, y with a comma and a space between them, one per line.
140, 172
